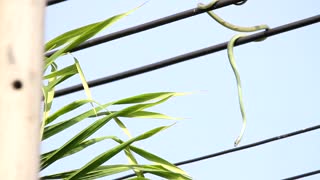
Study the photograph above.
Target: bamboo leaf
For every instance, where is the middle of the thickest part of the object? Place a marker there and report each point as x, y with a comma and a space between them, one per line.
97, 173
148, 97
158, 160
139, 107
130, 156
96, 162
107, 170
123, 127
140, 114
68, 108
58, 80
155, 159
84, 83
79, 147
151, 115
67, 37
56, 128
48, 99
69, 70
88, 33
83, 79
92, 129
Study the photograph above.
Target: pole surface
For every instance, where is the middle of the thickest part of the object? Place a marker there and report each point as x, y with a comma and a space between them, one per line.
21, 54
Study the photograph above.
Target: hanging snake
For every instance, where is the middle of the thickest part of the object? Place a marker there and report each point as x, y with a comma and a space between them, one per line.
231, 55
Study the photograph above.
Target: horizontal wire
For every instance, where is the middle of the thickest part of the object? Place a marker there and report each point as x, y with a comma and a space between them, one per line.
190, 55
177, 17
52, 2
259, 143
149, 25
303, 175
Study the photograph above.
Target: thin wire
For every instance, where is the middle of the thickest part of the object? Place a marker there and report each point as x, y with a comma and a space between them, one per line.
180, 16
259, 143
52, 2
303, 175
190, 55
149, 25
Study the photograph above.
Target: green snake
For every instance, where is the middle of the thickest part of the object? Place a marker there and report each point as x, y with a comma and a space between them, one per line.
231, 55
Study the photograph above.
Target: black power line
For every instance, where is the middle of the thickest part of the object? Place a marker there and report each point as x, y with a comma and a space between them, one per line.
303, 175
190, 55
243, 148
149, 25
52, 2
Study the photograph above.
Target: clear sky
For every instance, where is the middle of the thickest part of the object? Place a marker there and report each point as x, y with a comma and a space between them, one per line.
280, 79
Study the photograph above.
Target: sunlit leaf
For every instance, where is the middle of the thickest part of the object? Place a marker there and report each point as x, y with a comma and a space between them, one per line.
130, 156
97, 161
68, 108
92, 129
79, 147
69, 70
56, 128
59, 80
48, 95
140, 114
88, 33
67, 36
148, 97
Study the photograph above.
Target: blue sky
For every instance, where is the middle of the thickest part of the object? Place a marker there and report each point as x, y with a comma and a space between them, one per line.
280, 81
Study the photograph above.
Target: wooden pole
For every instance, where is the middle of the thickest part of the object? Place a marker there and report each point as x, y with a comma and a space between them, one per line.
21, 54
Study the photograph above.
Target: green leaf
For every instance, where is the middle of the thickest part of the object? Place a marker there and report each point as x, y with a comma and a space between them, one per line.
92, 129
58, 81
68, 108
148, 97
141, 114
84, 83
48, 99
103, 171
130, 156
97, 173
56, 128
123, 127
79, 147
151, 115
67, 36
87, 34
155, 159
158, 160
139, 107
83, 79
96, 162
69, 70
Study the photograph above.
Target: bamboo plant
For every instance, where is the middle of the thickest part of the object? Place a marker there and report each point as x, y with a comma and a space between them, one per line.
135, 108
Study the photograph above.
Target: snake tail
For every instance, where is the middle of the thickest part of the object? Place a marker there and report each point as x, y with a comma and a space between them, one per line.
237, 76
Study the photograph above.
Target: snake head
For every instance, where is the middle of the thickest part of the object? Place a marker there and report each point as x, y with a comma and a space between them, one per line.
236, 143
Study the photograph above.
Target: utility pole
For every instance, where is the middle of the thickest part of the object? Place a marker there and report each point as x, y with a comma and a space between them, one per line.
21, 56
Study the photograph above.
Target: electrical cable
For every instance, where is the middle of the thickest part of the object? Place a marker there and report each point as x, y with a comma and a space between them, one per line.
190, 55
149, 25
259, 143
184, 57
303, 175
52, 2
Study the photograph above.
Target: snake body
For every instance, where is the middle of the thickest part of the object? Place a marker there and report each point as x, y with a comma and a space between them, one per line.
231, 55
